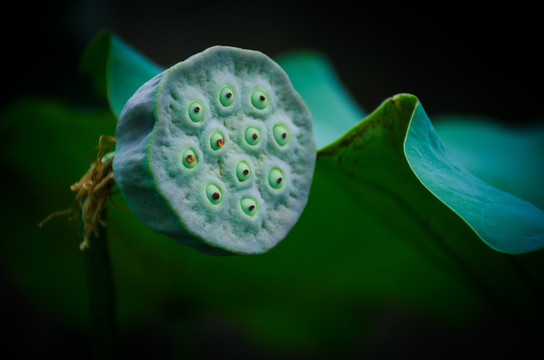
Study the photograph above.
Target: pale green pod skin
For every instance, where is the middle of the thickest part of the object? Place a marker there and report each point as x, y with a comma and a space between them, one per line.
208, 203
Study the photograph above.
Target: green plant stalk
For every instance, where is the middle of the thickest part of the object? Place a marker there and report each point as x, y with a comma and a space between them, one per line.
103, 321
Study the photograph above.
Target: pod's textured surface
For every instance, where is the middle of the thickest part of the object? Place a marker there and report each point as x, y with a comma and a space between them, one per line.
217, 152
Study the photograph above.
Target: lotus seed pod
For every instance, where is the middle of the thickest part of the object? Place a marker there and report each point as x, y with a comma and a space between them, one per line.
217, 152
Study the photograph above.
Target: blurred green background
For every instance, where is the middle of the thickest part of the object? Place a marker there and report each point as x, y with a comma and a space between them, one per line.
462, 61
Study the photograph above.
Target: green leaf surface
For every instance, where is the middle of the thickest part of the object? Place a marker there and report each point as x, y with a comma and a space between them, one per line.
314, 78
117, 69
371, 238
503, 221
507, 157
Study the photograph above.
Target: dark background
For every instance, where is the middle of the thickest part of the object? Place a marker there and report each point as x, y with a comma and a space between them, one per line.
481, 60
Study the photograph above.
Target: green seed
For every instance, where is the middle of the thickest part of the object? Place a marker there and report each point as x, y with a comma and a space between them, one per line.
276, 178
217, 140
259, 99
226, 96
196, 111
242, 171
248, 205
214, 194
281, 135
188, 158
252, 135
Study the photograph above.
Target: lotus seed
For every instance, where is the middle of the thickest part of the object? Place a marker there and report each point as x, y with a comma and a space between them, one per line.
275, 178
217, 140
280, 135
213, 193
189, 159
226, 96
259, 99
196, 112
252, 136
249, 206
242, 171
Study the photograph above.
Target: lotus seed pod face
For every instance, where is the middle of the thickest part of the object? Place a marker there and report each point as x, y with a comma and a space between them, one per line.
217, 152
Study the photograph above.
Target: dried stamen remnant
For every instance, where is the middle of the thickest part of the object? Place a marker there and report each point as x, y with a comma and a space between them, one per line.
249, 206
275, 178
281, 135
217, 140
189, 159
213, 193
259, 99
226, 96
196, 112
252, 135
